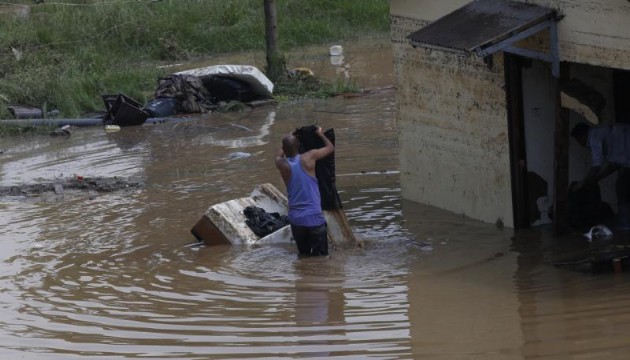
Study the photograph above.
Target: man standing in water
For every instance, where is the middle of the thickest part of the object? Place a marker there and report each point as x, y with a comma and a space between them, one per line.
307, 220
611, 145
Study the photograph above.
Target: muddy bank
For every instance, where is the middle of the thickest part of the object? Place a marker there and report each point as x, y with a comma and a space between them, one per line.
59, 186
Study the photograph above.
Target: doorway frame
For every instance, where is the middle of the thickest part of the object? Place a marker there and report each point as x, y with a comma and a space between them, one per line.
513, 70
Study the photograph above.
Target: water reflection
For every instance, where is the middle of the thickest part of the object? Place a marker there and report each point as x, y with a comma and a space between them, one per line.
565, 311
49, 159
244, 136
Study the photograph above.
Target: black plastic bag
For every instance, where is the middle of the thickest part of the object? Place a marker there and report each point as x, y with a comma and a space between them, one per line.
263, 223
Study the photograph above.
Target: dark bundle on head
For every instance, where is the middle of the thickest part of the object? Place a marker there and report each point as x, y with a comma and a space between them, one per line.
324, 168
308, 139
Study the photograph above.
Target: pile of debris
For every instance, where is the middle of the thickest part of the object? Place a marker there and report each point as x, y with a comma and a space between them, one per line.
193, 91
58, 186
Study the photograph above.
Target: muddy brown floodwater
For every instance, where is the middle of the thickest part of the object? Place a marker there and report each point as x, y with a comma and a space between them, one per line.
111, 275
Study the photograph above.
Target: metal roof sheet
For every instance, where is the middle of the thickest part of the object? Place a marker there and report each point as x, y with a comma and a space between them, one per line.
479, 24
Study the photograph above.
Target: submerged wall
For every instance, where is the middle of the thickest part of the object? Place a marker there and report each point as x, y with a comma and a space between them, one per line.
452, 129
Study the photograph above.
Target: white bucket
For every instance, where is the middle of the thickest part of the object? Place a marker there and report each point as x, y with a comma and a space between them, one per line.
336, 50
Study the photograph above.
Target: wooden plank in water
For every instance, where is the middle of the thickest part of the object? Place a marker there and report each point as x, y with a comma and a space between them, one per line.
339, 230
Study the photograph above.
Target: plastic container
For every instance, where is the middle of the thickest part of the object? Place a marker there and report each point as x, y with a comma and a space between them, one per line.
336, 50
123, 111
161, 107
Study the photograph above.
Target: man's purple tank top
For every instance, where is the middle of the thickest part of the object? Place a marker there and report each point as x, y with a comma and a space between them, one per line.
304, 199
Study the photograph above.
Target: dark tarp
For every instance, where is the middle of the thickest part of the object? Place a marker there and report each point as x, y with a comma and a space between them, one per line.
324, 168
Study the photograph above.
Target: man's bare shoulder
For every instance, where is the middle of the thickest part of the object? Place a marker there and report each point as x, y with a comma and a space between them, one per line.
281, 162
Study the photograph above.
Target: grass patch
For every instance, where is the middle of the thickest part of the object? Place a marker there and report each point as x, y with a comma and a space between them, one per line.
306, 86
65, 54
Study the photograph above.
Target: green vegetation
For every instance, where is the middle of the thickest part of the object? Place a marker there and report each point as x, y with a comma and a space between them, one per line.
14, 130
65, 54
301, 86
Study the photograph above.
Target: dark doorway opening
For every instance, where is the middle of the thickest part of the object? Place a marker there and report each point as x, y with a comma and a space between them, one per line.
516, 134
535, 128
621, 81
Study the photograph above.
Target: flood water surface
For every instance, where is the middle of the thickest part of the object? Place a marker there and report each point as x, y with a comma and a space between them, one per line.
118, 275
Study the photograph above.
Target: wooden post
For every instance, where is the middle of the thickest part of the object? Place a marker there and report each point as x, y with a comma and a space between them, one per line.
561, 162
275, 62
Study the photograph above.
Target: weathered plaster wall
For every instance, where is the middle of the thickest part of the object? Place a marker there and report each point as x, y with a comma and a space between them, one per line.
595, 32
453, 129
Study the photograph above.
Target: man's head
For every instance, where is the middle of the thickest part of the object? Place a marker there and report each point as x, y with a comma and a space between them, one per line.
580, 133
290, 145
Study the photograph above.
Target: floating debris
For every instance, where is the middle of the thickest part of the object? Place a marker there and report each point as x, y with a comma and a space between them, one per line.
112, 128
62, 131
238, 155
98, 184
599, 232
58, 189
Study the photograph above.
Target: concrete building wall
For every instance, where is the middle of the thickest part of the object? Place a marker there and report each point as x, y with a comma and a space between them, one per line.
453, 129
452, 113
595, 32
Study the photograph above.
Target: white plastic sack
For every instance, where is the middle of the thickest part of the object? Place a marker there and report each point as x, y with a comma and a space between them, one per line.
258, 82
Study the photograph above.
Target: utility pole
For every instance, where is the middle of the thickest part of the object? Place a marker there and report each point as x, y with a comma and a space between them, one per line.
276, 66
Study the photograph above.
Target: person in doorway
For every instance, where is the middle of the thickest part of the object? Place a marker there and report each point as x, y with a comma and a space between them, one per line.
307, 220
610, 152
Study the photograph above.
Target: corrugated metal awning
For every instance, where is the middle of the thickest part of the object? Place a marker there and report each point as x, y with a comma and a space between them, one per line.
479, 24
484, 27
